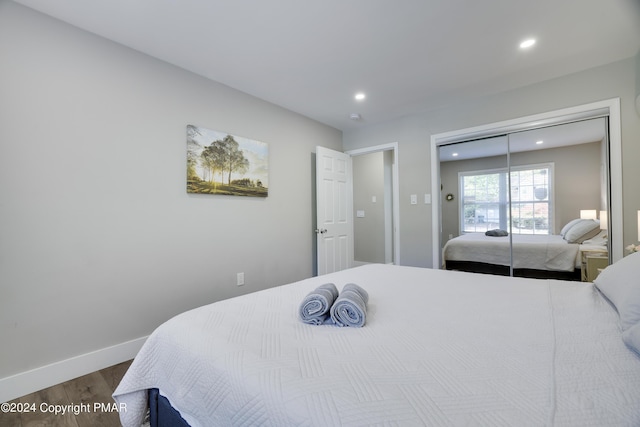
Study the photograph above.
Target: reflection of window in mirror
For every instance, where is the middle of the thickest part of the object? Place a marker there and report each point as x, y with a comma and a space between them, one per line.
485, 196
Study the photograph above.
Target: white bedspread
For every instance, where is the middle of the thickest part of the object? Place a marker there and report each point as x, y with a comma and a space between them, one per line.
440, 348
539, 252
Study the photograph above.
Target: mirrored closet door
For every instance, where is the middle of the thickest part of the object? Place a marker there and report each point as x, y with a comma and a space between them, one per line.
530, 203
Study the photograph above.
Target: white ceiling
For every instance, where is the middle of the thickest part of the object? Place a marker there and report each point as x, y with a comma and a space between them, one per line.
312, 56
575, 133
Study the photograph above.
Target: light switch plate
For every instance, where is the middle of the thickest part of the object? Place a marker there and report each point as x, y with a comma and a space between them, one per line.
414, 199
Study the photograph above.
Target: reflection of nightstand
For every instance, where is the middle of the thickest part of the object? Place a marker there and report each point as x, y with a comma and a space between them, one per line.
593, 262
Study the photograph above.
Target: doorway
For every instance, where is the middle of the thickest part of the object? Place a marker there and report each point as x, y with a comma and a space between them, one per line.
375, 204
334, 205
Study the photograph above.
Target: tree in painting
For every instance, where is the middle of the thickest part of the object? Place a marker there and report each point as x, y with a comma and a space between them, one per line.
219, 163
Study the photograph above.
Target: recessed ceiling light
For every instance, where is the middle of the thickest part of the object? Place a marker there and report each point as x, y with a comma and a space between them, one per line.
360, 96
455, 154
539, 142
527, 43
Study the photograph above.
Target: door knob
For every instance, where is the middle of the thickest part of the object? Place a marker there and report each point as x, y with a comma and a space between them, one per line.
321, 230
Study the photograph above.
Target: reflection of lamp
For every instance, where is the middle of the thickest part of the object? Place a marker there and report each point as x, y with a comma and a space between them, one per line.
588, 214
604, 220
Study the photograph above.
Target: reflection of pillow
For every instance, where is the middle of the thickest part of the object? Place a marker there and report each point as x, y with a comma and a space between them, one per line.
631, 337
582, 230
599, 239
569, 225
619, 283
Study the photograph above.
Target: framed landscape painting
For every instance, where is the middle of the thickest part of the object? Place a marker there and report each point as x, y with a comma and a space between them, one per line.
220, 163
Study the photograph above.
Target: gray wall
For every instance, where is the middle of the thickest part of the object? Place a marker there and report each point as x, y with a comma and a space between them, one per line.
99, 241
576, 181
413, 135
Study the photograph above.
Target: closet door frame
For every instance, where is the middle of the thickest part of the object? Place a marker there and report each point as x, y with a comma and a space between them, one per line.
608, 108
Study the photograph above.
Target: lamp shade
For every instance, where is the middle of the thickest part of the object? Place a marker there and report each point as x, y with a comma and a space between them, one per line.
588, 214
604, 220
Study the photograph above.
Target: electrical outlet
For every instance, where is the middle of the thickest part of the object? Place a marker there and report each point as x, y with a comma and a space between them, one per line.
240, 279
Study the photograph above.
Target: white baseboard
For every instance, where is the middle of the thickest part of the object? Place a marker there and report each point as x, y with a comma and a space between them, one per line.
55, 373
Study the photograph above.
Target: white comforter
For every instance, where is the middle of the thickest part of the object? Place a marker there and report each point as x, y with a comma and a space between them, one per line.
440, 348
539, 252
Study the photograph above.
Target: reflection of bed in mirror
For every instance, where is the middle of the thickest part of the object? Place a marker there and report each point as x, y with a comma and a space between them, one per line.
539, 256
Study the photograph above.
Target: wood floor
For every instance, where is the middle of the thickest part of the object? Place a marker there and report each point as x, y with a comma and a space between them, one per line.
87, 401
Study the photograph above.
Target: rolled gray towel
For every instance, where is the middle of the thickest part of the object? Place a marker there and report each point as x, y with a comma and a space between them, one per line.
315, 307
496, 233
350, 309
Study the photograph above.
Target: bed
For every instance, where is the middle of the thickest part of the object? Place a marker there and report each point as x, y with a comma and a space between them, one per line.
438, 348
536, 256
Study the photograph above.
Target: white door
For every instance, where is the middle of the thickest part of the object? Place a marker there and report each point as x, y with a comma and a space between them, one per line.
334, 208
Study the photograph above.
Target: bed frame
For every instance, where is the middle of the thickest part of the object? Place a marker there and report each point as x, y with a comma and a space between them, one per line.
503, 270
161, 413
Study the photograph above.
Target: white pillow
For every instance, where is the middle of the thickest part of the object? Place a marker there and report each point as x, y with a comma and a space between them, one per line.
569, 225
620, 283
582, 230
